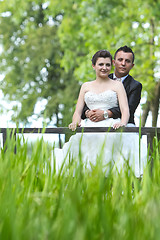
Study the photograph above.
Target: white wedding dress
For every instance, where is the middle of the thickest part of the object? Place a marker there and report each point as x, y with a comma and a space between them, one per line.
113, 149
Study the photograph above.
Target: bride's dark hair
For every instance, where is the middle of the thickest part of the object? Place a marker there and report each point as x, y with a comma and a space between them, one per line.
103, 54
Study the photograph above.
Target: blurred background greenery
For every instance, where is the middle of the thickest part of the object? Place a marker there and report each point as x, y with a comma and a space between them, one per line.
47, 48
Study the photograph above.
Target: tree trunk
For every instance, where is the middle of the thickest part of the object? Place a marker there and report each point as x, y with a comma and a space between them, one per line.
155, 105
146, 109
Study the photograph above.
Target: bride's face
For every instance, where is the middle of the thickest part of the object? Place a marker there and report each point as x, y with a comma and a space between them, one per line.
102, 67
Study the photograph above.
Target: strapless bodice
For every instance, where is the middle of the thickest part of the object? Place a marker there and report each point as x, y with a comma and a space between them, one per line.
105, 100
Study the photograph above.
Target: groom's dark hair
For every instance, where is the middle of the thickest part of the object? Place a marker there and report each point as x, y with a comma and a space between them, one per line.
126, 50
101, 53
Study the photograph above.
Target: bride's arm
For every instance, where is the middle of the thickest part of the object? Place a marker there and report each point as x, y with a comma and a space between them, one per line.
76, 119
123, 104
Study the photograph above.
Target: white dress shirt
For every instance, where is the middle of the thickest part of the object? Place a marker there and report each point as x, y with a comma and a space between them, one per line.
119, 79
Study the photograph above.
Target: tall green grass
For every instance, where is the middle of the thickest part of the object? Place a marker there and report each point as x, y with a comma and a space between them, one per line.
36, 203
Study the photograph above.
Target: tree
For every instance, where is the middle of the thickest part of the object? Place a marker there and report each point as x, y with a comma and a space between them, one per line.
31, 61
145, 36
92, 25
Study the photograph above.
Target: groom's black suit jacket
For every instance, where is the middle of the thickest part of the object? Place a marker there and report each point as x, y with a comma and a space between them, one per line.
133, 89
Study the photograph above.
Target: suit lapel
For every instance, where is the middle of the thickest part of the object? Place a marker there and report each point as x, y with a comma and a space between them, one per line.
111, 76
126, 83
127, 80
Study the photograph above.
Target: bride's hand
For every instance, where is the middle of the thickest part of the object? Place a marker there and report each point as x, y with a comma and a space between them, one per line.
73, 126
118, 125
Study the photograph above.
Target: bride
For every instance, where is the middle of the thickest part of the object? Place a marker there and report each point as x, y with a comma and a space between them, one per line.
102, 93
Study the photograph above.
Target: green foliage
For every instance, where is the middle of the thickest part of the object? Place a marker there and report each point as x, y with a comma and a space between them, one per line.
31, 61
37, 203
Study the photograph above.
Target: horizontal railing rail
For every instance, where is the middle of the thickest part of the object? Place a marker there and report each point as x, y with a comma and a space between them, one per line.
150, 132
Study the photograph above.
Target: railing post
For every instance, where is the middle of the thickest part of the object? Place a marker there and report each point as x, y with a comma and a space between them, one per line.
5, 132
150, 137
4, 136
13, 132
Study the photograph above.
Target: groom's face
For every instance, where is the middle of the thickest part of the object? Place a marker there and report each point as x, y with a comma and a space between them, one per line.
123, 63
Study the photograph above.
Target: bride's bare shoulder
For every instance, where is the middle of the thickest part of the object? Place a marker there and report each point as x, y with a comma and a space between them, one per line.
116, 83
87, 85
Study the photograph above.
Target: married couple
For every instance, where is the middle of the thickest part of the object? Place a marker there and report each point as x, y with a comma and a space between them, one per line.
109, 100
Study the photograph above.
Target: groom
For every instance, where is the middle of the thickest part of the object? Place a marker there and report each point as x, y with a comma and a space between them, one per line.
123, 63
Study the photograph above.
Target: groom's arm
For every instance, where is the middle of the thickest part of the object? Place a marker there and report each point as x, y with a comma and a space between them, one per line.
134, 97
83, 116
97, 115
116, 112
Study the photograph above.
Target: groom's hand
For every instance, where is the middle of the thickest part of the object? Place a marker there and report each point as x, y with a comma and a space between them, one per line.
95, 115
